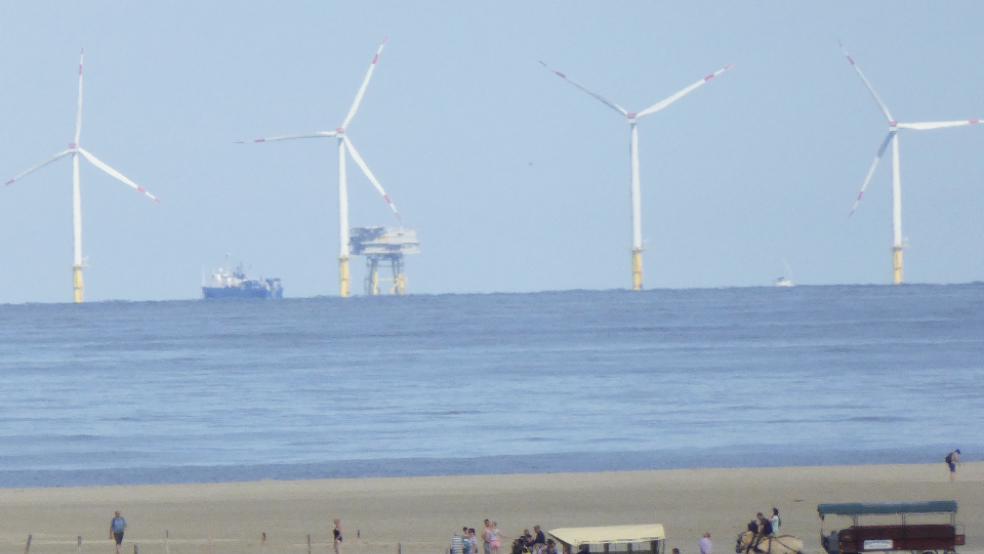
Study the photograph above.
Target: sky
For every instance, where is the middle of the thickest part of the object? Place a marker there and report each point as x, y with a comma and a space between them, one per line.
514, 180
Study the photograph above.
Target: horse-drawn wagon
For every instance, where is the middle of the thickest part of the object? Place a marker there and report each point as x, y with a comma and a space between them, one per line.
909, 532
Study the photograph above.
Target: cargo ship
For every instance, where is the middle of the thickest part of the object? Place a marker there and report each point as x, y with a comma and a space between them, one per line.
233, 283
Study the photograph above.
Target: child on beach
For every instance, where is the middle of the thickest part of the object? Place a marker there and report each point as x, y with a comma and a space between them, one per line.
472, 540
337, 535
496, 543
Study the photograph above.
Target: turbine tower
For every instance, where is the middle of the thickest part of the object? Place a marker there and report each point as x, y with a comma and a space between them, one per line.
632, 118
892, 138
345, 146
75, 150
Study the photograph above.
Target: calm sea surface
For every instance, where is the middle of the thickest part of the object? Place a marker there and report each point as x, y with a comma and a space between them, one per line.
236, 390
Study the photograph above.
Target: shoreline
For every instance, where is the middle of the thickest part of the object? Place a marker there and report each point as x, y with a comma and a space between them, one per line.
421, 513
718, 458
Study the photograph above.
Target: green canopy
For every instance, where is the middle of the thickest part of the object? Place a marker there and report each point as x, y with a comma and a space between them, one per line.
859, 508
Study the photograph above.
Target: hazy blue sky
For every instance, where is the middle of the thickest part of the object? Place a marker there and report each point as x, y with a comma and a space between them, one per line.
514, 180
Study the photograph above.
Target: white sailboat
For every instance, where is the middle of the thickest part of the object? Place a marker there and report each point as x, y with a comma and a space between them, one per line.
786, 279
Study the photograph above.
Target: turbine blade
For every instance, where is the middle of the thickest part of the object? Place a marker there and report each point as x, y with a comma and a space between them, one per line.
597, 96
666, 102
871, 89
362, 89
78, 110
372, 178
116, 174
871, 170
931, 125
26, 172
319, 134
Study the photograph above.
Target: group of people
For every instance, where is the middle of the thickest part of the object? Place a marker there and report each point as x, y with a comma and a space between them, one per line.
763, 526
467, 542
534, 543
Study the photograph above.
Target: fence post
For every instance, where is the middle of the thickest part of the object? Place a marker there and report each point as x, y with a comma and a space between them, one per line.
27, 547
78, 544
167, 539
399, 548
309, 543
136, 548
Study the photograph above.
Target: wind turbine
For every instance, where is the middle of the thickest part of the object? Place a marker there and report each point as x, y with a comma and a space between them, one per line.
345, 146
633, 118
75, 150
892, 138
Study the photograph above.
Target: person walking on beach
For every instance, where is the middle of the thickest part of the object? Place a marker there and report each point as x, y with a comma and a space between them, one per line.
775, 520
496, 542
705, 544
473, 538
459, 543
487, 538
116, 529
337, 534
952, 459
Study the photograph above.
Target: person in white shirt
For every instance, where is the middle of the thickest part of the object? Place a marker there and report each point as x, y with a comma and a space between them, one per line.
705, 544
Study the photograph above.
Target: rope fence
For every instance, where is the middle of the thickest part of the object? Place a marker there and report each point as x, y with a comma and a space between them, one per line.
167, 543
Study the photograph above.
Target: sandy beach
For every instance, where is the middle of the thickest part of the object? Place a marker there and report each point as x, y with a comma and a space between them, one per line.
422, 513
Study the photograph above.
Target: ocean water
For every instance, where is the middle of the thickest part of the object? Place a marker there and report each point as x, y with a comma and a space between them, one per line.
198, 391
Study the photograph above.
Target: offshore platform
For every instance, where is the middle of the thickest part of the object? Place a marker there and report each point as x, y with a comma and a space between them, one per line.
380, 246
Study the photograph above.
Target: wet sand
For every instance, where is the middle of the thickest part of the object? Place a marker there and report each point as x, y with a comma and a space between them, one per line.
421, 513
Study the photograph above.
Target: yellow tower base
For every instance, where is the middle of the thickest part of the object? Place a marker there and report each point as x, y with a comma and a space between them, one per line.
400, 285
637, 270
897, 265
343, 277
78, 285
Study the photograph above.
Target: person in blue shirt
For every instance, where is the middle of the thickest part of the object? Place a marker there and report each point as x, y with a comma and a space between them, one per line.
952, 459
116, 529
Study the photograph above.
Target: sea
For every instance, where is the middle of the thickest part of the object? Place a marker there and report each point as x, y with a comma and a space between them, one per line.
222, 391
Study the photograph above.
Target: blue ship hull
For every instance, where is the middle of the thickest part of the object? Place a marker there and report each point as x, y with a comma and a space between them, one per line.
248, 289
241, 292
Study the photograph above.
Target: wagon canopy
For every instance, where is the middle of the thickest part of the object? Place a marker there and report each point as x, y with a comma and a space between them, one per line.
890, 508
612, 534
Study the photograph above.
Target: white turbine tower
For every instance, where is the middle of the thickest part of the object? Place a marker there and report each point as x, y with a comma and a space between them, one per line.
75, 150
345, 145
892, 138
633, 118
